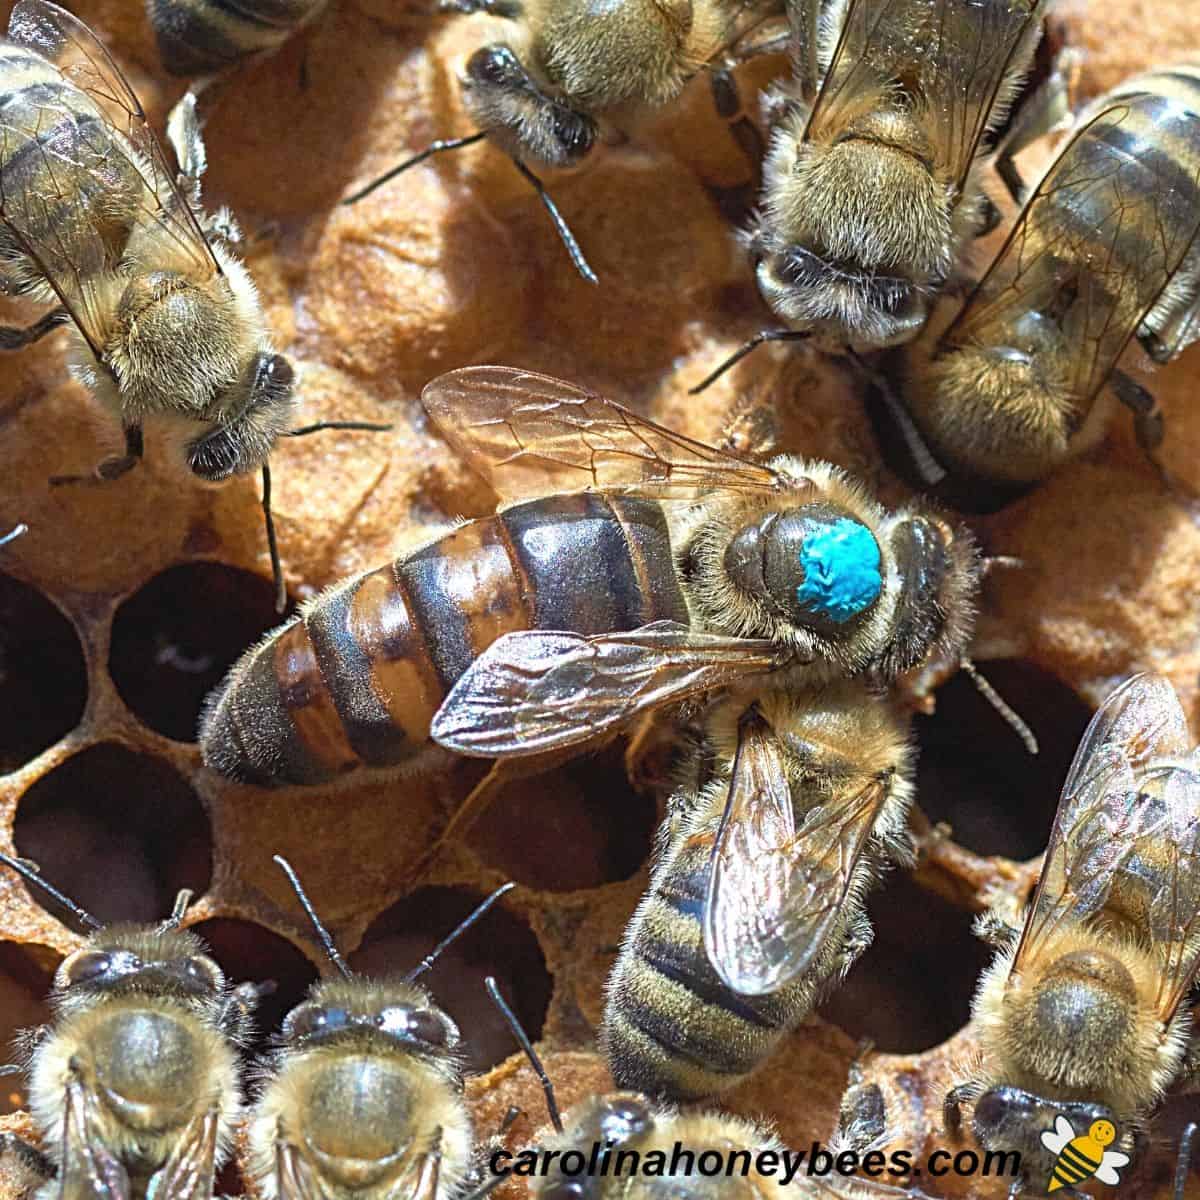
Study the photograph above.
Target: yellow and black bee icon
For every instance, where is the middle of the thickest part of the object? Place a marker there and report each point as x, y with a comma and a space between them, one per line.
1079, 1158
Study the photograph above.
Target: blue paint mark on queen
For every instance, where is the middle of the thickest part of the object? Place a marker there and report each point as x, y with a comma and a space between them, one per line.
841, 563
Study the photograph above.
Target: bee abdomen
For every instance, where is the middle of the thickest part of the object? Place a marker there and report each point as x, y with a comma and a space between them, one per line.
671, 1025
199, 36
358, 679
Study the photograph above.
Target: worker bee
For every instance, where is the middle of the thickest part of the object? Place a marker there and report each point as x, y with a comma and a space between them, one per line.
872, 179
756, 899
1084, 1003
364, 1096
134, 1086
1105, 250
630, 1147
570, 74
561, 619
166, 323
198, 37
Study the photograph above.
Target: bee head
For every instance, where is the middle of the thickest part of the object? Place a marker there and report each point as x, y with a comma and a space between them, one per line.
125, 960
521, 117
261, 403
387, 1014
616, 1119
816, 566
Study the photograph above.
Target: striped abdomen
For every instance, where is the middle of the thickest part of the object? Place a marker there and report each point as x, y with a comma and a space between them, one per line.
66, 182
199, 36
671, 1026
358, 677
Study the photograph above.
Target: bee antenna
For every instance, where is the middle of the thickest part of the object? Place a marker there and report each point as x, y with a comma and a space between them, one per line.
456, 933
183, 899
331, 950
273, 543
362, 426
526, 1045
15, 532
30, 873
748, 347
1183, 1162
433, 148
993, 697
560, 226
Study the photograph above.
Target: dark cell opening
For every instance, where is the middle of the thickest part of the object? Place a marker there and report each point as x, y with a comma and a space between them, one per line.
23, 989
577, 827
499, 944
43, 677
173, 640
120, 833
246, 951
912, 989
975, 774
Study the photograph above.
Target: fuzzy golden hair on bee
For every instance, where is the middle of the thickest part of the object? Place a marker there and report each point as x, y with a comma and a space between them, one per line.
1121, 1056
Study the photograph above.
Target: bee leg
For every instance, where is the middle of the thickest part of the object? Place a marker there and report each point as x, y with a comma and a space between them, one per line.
1046, 110
748, 347
956, 1097
111, 468
989, 217
187, 144
12, 338
1148, 425
727, 99
27, 1160
238, 1008
862, 1115
992, 928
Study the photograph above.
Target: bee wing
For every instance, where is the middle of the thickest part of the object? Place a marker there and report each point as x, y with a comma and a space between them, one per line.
91, 162
534, 690
1109, 225
294, 1176
189, 1172
1100, 817
1054, 1142
529, 435
947, 63
804, 20
773, 890
88, 1170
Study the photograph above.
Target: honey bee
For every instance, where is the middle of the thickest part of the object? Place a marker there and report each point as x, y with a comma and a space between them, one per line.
570, 74
755, 905
199, 37
166, 324
1105, 250
872, 182
135, 1085
561, 619
1084, 1003
636, 1148
364, 1096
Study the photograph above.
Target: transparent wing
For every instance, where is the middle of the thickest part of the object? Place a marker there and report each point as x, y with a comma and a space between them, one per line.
189, 1172
1104, 817
99, 170
943, 60
774, 890
87, 1169
804, 20
1104, 233
293, 1175
530, 435
534, 691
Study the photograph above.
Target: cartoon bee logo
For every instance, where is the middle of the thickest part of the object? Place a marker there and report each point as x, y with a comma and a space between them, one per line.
1079, 1158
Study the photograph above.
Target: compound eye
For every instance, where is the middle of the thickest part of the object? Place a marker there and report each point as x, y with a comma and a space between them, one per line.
278, 372
415, 1024
88, 967
494, 65
564, 1189
624, 1118
204, 972
304, 1021
575, 133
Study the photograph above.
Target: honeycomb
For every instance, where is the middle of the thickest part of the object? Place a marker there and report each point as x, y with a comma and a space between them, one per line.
126, 602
